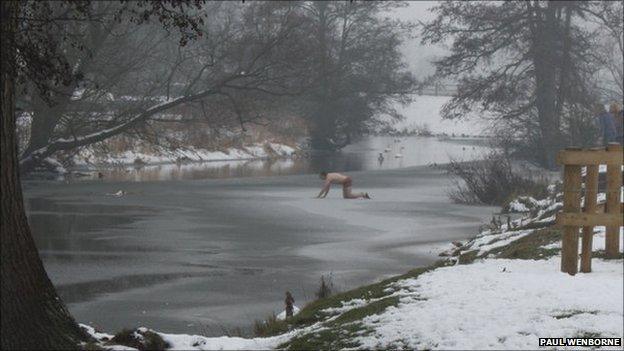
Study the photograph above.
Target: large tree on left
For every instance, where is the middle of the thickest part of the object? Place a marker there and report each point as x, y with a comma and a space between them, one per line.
32, 314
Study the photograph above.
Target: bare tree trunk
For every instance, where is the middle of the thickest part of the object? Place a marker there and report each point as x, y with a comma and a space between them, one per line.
544, 60
44, 121
323, 122
33, 316
565, 61
46, 116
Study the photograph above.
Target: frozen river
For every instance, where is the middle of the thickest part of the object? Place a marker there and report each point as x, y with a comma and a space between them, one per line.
192, 256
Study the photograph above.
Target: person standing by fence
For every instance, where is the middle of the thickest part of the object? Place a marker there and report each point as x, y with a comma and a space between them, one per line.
618, 118
606, 121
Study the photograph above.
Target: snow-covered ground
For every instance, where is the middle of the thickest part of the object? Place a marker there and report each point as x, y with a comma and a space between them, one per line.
500, 304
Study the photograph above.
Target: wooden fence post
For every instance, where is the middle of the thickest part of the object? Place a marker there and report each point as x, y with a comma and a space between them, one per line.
571, 204
614, 182
591, 193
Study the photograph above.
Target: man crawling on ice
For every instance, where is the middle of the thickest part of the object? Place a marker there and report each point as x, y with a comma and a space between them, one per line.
337, 178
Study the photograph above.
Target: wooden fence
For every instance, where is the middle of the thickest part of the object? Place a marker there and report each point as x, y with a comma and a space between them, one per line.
572, 217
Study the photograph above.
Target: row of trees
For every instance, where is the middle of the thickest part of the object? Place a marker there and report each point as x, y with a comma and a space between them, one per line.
537, 69
336, 64
86, 71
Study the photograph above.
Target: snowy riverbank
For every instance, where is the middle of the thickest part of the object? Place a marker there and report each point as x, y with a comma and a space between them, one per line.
497, 303
88, 158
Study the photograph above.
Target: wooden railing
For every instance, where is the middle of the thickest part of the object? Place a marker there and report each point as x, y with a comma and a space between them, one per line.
572, 217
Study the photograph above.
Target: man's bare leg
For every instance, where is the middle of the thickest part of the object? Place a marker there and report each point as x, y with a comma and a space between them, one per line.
347, 194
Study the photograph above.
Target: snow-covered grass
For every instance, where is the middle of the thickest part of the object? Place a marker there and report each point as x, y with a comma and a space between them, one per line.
196, 342
487, 244
500, 304
526, 203
190, 342
598, 241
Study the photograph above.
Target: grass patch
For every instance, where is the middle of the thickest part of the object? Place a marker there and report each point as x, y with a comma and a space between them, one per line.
220, 329
328, 339
367, 310
91, 346
468, 257
124, 337
529, 247
326, 288
341, 331
572, 313
269, 326
603, 255
536, 225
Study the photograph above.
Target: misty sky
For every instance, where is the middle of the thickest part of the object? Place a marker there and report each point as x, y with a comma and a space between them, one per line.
417, 55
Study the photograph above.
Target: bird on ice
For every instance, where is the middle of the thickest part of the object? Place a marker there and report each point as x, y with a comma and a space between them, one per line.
399, 155
119, 193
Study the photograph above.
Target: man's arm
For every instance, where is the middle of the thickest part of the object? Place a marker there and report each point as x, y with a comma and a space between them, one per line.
324, 190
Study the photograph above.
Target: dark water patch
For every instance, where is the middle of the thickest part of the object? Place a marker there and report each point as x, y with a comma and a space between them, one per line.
73, 232
209, 251
248, 271
430, 210
80, 292
470, 141
73, 223
201, 265
37, 204
84, 257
